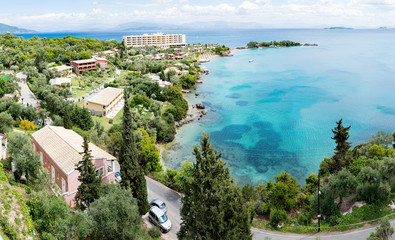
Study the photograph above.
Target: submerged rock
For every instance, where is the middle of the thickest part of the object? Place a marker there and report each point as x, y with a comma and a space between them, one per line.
200, 106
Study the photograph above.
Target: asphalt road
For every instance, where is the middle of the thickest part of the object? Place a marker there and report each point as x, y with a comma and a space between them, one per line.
27, 95
173, 202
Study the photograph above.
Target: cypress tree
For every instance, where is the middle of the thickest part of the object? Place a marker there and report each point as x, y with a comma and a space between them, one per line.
212, 206
131, 172
67, 123
342, 146
88, 190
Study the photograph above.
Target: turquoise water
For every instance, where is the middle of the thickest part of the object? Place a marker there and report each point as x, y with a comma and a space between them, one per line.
276, 113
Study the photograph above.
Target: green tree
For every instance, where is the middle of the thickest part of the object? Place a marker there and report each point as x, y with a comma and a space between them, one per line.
283, 193
253, 44
383, 232
342, 184
184, 175
42, 114
53, 218
27, 162
340, 136
277, 216
88, 190
212, 205
370, 189
85, 121
68, 124
6, 122
311, 183
85, 55
379, 151
116, 215
151, 159
387, 169
382, 138
132, 173
328, 207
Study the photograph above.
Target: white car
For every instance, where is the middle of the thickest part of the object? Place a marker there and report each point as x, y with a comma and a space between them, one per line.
159, 218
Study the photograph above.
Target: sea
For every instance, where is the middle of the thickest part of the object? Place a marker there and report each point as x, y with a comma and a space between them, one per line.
272, 110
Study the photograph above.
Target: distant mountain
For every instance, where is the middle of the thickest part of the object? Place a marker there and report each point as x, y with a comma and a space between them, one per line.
11, 29
138, 26
213, 25
338, 28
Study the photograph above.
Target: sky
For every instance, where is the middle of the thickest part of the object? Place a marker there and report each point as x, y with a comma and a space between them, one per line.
50, 15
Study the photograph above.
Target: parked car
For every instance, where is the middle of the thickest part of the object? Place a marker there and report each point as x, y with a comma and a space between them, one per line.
158, 203
159, 218
118, 176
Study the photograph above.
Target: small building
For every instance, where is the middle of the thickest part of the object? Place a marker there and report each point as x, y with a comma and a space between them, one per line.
60, 149
179, 56
84, 65
108, 53
57, 82
170, 56
105, 101
101, 61
63, 70
3, 146
7, 72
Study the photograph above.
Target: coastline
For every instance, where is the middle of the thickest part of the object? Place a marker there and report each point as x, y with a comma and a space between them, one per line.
193, 114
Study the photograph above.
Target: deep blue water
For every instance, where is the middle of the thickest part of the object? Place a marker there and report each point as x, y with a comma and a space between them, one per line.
276, 113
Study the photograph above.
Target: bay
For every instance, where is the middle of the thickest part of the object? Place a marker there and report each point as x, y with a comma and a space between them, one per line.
276, 113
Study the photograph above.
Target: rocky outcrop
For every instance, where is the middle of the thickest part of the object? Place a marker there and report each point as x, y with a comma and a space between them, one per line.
200, 106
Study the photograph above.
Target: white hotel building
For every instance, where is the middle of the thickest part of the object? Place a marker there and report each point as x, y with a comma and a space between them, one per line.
157, 39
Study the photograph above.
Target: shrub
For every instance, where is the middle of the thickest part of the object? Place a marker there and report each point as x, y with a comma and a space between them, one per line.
304, 218
154, 232
17, 123
277, 216
27, 125
17, 221
27, 189
110, 121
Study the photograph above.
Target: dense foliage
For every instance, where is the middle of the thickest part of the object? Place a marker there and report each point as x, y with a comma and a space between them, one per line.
88, 190
212, 206
285, 43
116, 215
35, 51
132, 174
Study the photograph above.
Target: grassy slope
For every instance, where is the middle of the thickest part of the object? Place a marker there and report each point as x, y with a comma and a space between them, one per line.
12, 205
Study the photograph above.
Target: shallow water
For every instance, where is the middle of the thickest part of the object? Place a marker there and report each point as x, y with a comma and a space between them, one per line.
276, 113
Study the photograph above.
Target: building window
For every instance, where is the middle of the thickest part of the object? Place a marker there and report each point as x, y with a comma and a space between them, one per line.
100, 171
34, 147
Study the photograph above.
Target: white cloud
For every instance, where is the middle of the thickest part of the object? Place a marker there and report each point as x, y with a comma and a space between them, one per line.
290, 13
164, 1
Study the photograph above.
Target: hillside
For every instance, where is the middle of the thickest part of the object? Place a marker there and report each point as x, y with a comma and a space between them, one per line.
15, 220
7, 28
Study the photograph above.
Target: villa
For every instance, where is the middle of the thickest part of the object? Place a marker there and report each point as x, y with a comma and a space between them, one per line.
101, 61
60, 149
57, 82
63, 70
84, 65
106, 101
